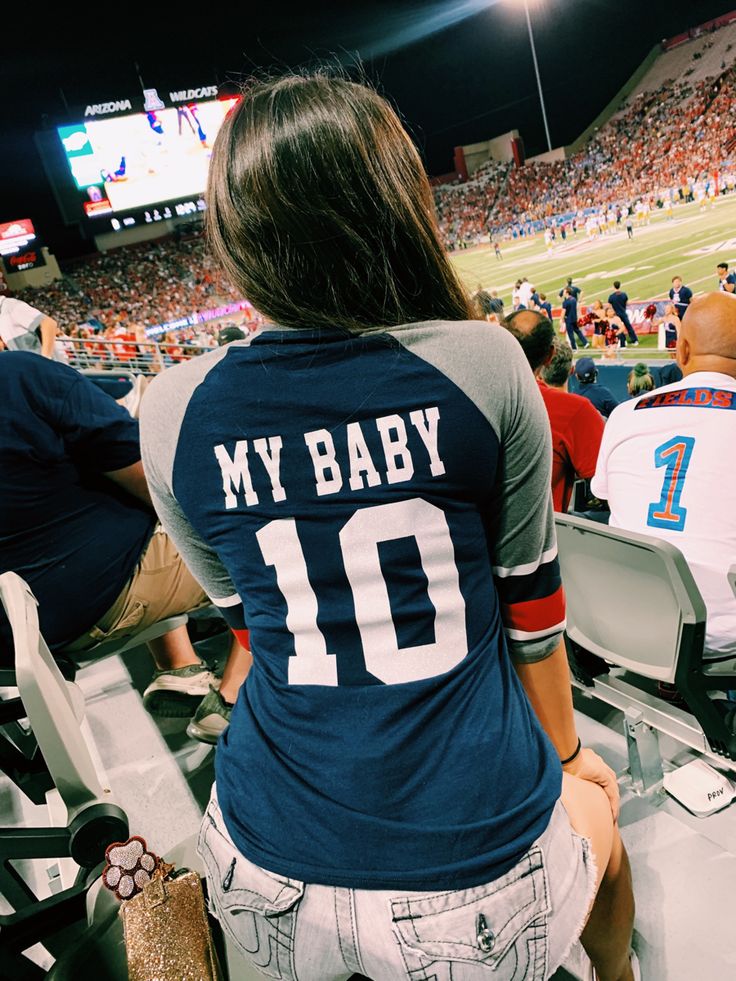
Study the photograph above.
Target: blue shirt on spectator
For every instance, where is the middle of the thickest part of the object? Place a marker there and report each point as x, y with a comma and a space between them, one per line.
72, 534
600, 396
547, 307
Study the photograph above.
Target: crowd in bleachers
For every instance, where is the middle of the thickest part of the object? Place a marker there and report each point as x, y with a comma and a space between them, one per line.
463, 210
143, 285
661, 146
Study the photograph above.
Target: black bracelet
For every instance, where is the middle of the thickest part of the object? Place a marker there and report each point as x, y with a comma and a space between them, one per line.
574, 755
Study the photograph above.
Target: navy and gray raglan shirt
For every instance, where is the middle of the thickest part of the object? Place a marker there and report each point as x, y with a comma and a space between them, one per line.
377, 509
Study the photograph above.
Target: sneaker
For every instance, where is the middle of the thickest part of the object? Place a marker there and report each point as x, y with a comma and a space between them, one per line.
175, 693
633, 344
211, 718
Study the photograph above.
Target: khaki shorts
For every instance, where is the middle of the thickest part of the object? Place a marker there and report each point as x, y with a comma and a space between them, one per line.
161, 587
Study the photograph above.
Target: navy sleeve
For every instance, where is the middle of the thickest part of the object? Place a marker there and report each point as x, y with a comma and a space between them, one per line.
96, 430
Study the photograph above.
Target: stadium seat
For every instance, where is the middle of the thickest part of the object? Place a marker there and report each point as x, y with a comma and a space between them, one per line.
118, 383
84, 817
635, 616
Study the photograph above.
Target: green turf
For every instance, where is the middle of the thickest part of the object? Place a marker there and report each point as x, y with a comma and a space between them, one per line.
645, 265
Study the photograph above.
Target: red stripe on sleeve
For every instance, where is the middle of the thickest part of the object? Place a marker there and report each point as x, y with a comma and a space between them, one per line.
537, 614
243, 638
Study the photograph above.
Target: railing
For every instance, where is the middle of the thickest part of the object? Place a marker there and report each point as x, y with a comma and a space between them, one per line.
141, 357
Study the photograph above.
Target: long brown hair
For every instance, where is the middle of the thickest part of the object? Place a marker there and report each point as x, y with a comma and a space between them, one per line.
321, 213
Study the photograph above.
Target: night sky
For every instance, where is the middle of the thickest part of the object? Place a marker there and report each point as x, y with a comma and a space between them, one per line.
458, 71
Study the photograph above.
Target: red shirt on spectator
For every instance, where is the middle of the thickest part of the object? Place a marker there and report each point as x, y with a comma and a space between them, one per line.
577, 430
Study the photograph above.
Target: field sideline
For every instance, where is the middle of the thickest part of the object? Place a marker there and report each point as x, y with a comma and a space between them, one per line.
689, 245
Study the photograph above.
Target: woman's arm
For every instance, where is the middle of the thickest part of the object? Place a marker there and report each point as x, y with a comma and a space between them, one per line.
547, 685
527, 574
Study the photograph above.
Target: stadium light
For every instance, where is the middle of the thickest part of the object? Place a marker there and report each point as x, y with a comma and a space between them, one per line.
536, 72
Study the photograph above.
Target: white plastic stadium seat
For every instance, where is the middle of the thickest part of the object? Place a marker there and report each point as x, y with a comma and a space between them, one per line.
53, 711
632, 600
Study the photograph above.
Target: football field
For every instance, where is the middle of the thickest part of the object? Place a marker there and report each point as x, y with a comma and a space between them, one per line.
689, 245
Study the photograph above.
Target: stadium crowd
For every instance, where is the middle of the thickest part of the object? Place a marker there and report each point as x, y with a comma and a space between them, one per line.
141, 285
668, 145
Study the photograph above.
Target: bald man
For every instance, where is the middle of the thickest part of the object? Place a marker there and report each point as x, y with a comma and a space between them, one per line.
576, 426
666, 465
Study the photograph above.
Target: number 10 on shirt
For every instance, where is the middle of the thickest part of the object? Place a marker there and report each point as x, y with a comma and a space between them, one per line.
675, 455
312, 664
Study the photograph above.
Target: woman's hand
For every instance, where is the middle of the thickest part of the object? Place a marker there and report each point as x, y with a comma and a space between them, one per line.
588, 765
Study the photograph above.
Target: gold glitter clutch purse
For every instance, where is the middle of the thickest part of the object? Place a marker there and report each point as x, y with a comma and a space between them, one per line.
167, 933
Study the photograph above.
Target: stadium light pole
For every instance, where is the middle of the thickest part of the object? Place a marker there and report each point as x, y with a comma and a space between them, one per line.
536, 72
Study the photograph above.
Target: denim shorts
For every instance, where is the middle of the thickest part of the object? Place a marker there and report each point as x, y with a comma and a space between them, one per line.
519, 927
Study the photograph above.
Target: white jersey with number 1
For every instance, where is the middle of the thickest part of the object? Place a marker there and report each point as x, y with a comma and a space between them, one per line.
666, 469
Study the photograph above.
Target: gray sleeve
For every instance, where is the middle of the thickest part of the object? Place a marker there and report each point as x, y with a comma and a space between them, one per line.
162, 412
488, 365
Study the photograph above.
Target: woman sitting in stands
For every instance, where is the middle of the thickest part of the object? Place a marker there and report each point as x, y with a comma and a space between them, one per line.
640, 380
401, 791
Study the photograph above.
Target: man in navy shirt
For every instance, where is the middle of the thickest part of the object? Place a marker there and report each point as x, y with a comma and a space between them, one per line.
545, 305
680, 296
76, 523
618, 300
726, 279
570, 317
599, 395
575, 291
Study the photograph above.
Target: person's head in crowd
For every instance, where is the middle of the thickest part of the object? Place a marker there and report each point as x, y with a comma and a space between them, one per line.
722, 270
677, 282
609, 312
569, 280
320, 211
640, 380
597, 307
567, 292
535, 333
543, 297
706, 340
229, 334
586, 371
617, 284
670, 310
486, 307
556, 373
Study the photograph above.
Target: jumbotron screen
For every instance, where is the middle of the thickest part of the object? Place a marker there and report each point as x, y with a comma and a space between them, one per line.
126, 163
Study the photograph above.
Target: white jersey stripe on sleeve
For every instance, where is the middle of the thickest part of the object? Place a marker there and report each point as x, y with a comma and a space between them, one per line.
536, 634
504, 572
233, 600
